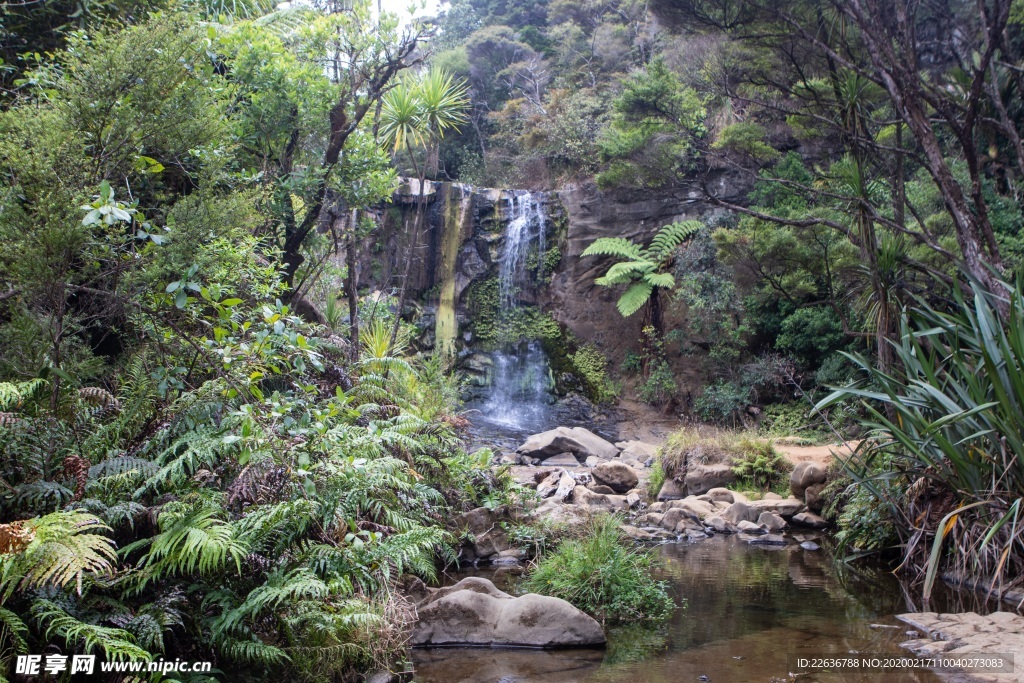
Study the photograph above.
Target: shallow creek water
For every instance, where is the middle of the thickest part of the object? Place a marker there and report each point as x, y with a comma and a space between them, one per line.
747, 611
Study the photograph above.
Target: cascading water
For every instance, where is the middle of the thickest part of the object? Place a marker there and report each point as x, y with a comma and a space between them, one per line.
520, 384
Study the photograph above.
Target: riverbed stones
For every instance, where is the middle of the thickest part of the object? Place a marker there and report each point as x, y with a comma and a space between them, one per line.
750, 527
771, 521
723, 495
813, 498
698, 509
560, 460
671, 490
739, 512
486, 536
601, 488
968, 633
584, 497
702, 478
475, 613
650, 519
581, 443
809, 519
637, 450
805, 474
769, 539
672, 518
621, 478
785, 508
720, 524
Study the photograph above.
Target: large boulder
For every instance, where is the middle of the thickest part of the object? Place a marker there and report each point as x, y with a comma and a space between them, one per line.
637, 450
619, 477
813, 498
671, 490
475, 613
785, 508
486, 536
581, 442
804, 475
598, 502
696, 508
702, 478
740, 512
809, 519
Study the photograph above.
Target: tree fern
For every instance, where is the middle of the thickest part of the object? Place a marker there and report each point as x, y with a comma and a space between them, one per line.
634, 298
642, 268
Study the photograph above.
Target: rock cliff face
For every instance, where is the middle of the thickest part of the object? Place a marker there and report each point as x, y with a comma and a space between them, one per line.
588, 310
466, 238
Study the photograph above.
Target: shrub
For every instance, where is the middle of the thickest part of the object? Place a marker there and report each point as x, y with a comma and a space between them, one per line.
603, 576
660, 386
656, 479
760, 465
591, 367
721, 401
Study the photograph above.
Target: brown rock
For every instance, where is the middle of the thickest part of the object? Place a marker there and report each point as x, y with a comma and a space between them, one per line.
621, 478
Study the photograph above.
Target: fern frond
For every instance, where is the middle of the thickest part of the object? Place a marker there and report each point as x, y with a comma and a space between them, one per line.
116, 643
193, 538
669, 237
14, 394
614, 246
59, 554
660, 280
634, 298
625, 271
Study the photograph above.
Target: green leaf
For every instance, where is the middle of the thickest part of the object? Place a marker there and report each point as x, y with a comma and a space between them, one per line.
634, 298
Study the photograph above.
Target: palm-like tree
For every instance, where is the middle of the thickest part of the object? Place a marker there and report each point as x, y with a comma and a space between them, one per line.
644, 269
416, 114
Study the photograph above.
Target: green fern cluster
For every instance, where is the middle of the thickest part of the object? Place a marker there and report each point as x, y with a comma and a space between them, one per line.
642, 268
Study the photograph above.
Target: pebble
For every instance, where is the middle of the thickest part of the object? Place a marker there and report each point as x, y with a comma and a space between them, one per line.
810, 545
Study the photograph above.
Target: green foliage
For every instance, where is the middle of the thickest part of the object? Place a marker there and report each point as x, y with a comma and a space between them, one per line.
659, 386
656, 479
746, 138
59, 552
811, 334
947, 423
591, 367
603, 576
760, 466
649, 141
642, 268
721, 401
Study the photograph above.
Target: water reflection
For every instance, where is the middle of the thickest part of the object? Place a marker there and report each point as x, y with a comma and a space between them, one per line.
748, 609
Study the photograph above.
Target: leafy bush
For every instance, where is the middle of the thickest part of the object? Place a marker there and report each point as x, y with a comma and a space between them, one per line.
603, 576
660, 386
758, 464
591, 368
721, 401
656, 479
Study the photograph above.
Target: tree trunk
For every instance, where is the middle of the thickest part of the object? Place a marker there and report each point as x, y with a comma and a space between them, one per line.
351, 286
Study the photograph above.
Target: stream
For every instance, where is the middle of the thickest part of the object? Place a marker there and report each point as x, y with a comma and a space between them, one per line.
745, 610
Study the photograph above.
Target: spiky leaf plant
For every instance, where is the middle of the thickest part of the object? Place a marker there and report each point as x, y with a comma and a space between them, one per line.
948, 422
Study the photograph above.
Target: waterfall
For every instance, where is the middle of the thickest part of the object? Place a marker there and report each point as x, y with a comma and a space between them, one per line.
520, 392
526, 225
